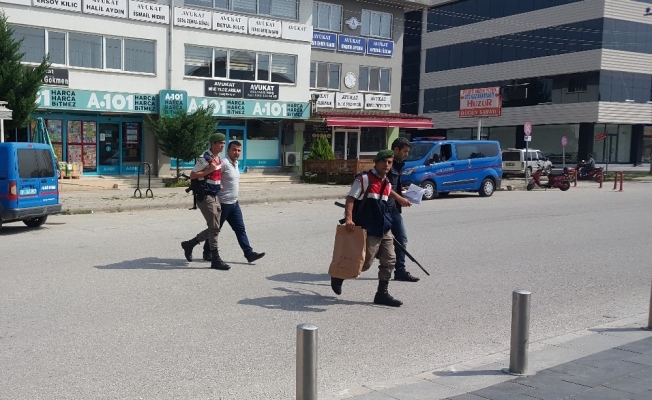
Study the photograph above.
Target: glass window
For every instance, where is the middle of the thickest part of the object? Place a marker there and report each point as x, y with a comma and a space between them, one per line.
577, 84
263, 67
373, 140
199, 3
325, 75
376, 24
241, 65
363, 78
140, 56
113, 53
285, 8
284, 68
327, 16
85, 50
221, 4
33, 42
375, 79
219, 63
33, 163
385, 80
333, 76
245, 6
313, 74
198, 61
57, 47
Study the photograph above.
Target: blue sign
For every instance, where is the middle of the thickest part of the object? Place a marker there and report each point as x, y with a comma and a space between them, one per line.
324, 40
377, 47
351, 44
171, 100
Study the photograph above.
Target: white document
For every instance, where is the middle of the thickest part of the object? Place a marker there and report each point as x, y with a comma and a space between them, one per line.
414, 194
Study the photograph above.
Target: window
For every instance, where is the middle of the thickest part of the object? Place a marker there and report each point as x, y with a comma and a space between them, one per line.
113, 53
33, 163
376, 24
276, 8
576, 85
324, 75
139, 56
373, 140
57, 47
327, 16
85, 50
375, 79
33, 42
239, 65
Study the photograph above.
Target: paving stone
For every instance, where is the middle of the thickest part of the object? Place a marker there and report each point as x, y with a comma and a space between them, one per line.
558, 390
600, 393
502, 391
643, 359
640, 346
630, 384
592, 377
642, 396
466, 396
373, 396
595, 343
422, 390
541, 379
600, 358
645, 373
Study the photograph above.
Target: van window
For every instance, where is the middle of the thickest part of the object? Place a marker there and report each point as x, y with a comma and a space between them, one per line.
418, 151
35, 163
444, 153
476, 150
512, 156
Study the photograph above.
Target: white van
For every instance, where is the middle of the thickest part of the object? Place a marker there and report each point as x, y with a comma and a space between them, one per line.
519, 162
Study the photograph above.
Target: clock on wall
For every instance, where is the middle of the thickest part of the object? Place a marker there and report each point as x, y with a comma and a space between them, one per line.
349, 80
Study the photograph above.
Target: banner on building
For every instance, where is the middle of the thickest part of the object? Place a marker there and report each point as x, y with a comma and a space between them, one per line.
484, 102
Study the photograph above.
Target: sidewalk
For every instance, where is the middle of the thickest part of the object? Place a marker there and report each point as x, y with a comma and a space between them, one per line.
608, 362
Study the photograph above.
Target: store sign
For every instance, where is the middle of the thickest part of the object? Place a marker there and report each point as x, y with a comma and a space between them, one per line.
377, 47
349, 100
264, 27
66, 5
193, 18
149, 12
233, 89
107, 8
93, 100
56, 77
325, 99
260, 91
172, 100
377, 102
251, 108
230, 23
324, 40
484, 102
295, 31
351, 44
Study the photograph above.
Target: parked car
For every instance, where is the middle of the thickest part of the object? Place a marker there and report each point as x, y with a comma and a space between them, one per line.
445, 166
520, 162
29, 189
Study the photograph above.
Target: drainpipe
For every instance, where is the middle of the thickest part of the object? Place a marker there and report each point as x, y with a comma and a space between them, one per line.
170, 45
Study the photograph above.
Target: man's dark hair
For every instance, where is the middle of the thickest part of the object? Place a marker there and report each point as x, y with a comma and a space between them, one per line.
401, 142
234, 143
590, 154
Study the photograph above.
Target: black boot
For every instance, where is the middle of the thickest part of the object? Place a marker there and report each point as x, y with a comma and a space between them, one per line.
405, 276
255, 256
217, 263
207, 252
187, 248
384, 298
336, 285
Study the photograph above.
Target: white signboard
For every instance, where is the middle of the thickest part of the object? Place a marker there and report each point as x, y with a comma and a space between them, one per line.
193, 18
377, 102
230, 23
484, 102
349, 100
295, 31
325, 100
66, 5
149, 12
21, 2
264, 27
107, 8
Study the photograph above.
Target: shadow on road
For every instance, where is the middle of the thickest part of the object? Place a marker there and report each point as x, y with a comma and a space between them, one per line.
149, 263
307, 278
299, 300
475, 372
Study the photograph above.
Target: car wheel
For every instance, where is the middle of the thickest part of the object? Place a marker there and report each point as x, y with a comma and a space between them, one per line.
431, 190
35, 222
487, 188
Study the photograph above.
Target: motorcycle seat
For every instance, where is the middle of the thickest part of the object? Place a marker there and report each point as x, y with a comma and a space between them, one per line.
556, 174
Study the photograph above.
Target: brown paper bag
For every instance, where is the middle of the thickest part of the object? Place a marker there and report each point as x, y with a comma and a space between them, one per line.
348, 253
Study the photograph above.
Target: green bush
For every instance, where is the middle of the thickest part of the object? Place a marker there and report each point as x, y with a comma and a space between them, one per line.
321, 150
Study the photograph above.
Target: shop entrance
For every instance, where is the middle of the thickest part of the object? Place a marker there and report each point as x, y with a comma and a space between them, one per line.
346, 143
109, 148
234, 133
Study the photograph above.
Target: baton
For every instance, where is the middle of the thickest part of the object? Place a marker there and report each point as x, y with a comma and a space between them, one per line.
396, 243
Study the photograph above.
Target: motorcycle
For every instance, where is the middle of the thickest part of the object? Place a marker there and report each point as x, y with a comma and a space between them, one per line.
559, 181
593, 175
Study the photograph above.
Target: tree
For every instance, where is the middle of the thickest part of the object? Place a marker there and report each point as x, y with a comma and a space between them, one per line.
19, 84
321, 150
181, 135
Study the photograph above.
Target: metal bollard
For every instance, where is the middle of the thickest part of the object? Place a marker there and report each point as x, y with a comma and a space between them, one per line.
601, 179
649, 318
520, 340
306, 362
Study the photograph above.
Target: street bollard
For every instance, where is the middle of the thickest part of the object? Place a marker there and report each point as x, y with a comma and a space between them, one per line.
577, 172
520, 340
306, 362
649, 318
622, 178
615, 180
601, 179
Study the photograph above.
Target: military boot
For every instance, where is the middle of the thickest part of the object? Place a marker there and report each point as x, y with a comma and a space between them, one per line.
207, 252
384, 298
217, 263
188, 246
336, 285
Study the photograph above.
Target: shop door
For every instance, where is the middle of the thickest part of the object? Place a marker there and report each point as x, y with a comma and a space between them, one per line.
352, 144
339, 145
109, 149
233, 134
346, 144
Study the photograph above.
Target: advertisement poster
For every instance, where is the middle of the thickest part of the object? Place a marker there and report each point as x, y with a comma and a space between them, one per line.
90, 132
55, 129
90, 156
132, 132
58, 151
74, 153
74, 132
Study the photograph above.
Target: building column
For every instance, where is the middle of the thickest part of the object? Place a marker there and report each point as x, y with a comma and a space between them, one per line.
298, 147
392, 134
636, 152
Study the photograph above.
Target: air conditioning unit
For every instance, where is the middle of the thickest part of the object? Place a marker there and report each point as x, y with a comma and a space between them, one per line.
291, 159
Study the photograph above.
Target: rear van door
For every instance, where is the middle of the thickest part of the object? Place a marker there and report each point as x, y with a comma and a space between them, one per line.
37, 180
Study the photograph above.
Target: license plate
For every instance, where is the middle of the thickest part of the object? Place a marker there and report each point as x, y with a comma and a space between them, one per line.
27, 192
509, 164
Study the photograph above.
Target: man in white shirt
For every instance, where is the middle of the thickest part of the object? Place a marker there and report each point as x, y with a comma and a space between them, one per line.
228, 196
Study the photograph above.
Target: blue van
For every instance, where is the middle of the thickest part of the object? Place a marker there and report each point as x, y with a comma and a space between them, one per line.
29, 189
444, 166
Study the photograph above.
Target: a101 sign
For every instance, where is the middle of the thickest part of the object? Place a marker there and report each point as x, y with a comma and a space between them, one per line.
483, 102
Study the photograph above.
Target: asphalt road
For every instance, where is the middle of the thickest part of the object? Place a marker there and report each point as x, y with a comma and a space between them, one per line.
104, 306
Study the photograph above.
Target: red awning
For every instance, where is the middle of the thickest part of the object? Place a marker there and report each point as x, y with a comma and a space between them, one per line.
384, 120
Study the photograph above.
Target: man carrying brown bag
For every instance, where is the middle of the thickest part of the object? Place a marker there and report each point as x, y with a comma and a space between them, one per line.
371, 190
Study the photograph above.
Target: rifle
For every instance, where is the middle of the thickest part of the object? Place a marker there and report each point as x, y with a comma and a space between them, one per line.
396, 243
191, 189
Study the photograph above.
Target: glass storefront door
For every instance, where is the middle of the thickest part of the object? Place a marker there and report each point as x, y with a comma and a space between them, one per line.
346, 144
109, 148
234, 134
